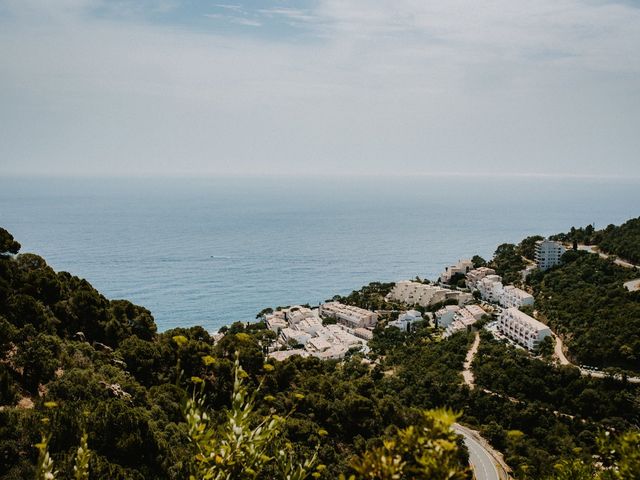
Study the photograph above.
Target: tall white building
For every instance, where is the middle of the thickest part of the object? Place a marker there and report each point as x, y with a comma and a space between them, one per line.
548, 253
522, 328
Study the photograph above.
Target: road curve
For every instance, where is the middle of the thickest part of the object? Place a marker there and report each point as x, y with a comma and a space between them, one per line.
563, 360
483, 459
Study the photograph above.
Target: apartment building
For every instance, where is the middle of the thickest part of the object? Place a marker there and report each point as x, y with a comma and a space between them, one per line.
514, 297
415, 293
490, 288
353, 317
477, 274
290, 335
521, 328
302, 328
462, 319
548, 253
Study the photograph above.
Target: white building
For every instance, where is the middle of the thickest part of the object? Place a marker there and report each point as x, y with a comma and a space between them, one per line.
490, 288
275, 323
548, 253
289, 335
312, 325
522, 328
462, 267
302, 327
514, 297
343, 336
363, 333
415, 293
353, 317
296, 314
477, 274
318, 344
406, 319
463, 318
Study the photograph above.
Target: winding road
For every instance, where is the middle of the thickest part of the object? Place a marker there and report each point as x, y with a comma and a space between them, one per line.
617, 261
485, 462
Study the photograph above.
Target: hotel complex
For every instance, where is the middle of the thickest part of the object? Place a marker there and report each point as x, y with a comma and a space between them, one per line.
300, 330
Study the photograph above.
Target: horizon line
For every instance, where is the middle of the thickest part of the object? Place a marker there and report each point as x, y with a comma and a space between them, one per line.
210, 176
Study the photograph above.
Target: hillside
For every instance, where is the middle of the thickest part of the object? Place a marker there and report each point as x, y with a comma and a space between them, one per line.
89, 364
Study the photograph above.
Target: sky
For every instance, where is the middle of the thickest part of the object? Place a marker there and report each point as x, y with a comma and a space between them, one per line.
336, 87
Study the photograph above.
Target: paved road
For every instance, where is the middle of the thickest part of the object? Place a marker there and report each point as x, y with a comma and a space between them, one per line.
617, 261
559, 353
483, 460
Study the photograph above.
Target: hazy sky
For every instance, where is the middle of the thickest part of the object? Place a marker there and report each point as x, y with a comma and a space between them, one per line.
197, 87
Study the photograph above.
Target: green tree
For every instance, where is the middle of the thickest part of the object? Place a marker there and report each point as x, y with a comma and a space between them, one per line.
478, 261
8, 245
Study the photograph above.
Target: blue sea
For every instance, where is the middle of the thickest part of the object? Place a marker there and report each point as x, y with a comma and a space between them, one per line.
215, 250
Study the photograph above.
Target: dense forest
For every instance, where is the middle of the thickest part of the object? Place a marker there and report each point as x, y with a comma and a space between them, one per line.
78, 368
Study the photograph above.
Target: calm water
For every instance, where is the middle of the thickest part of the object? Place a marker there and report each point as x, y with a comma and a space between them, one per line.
213, 251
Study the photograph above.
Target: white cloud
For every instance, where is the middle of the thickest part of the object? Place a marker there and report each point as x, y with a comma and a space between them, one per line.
245, 21
368, 87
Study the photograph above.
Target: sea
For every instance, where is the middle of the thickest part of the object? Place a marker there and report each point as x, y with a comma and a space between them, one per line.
211, 251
